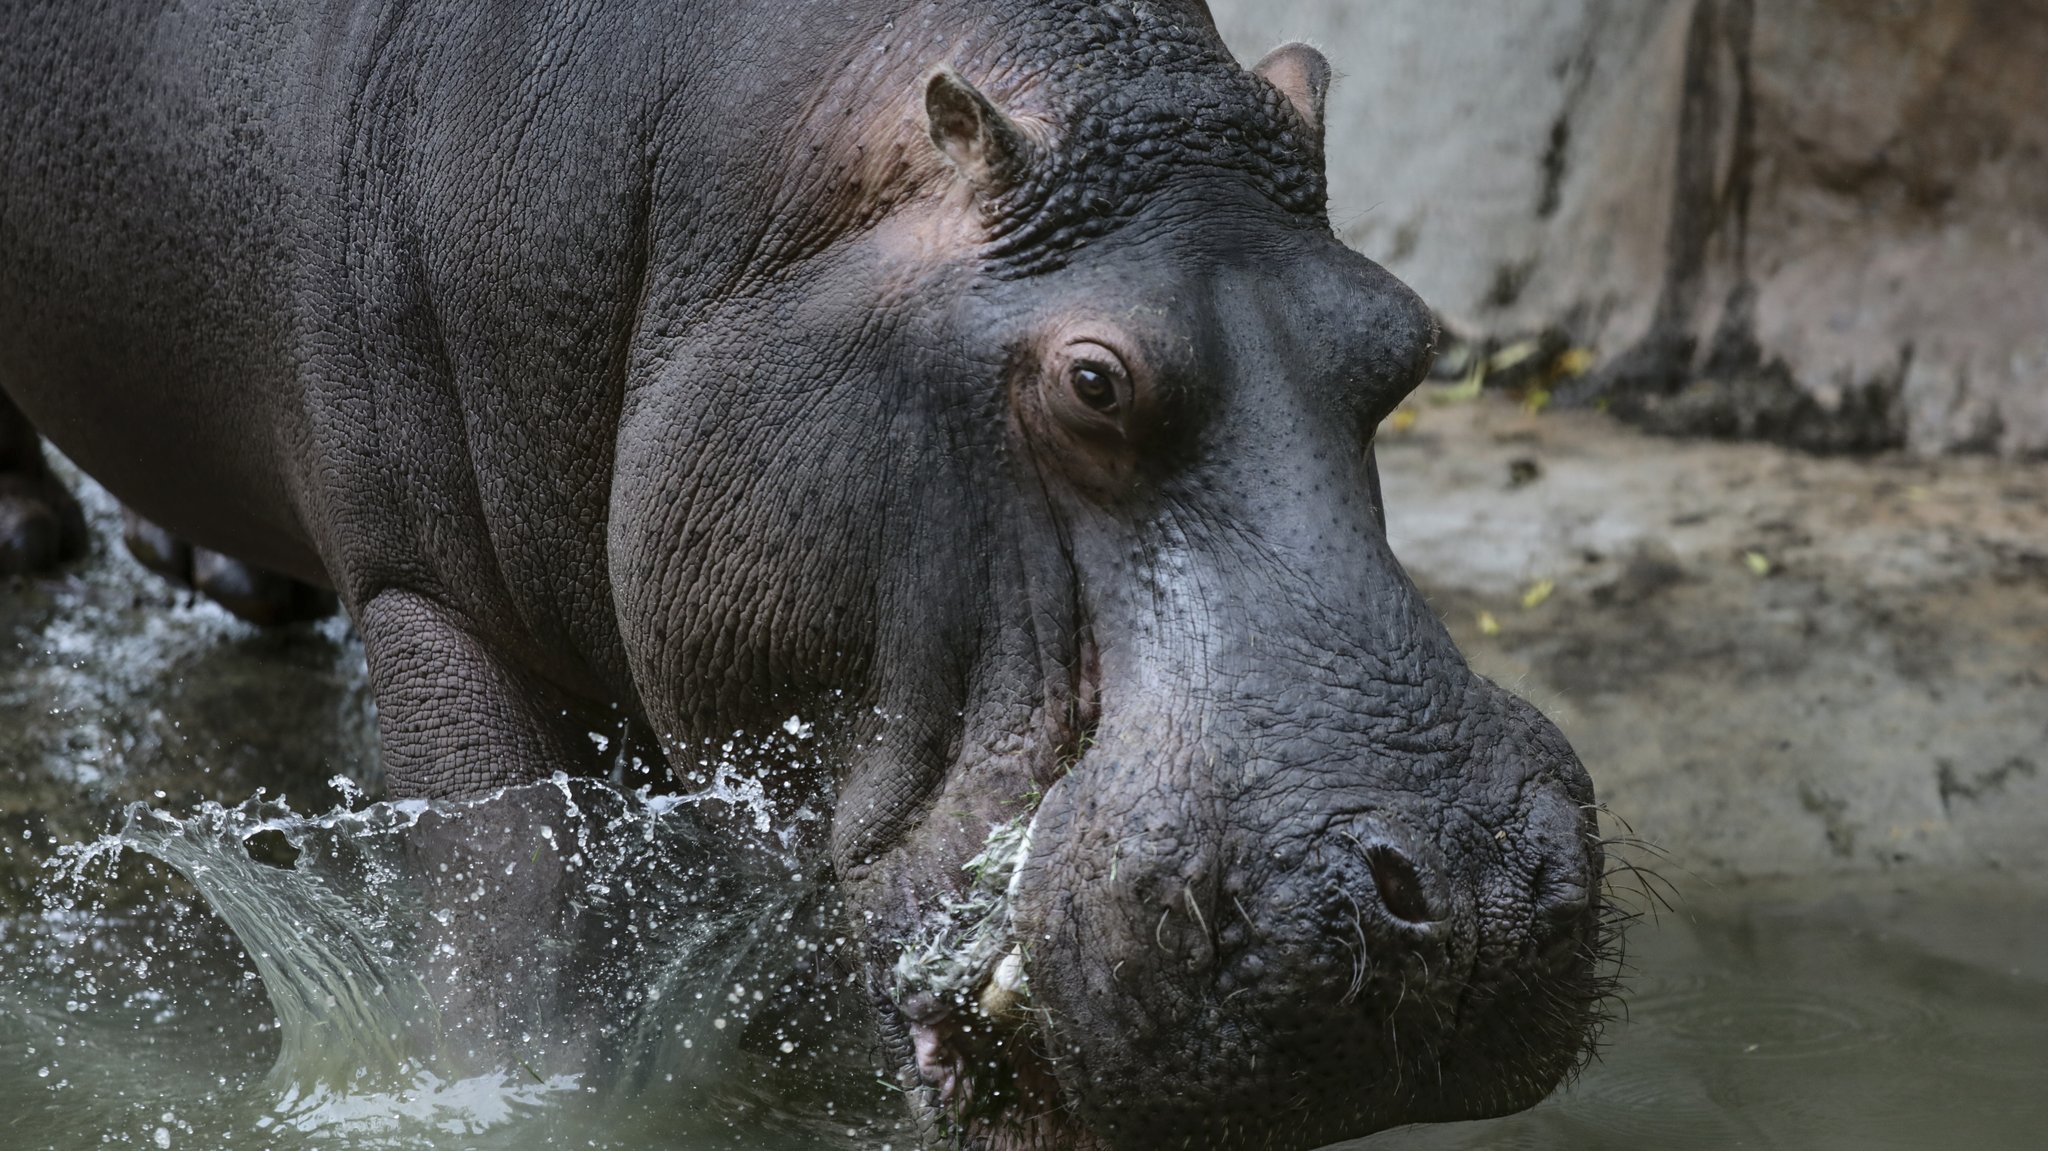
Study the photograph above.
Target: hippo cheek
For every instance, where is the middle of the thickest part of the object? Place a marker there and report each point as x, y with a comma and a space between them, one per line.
1303, 982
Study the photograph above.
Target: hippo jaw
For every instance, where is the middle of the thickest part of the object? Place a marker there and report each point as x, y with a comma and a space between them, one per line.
1155, 953
1124, 982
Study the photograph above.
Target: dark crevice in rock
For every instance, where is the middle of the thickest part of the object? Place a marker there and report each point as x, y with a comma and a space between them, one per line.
1724, 386
1950, 785
1555, 151
1577, 73
1735, 392
1509, 278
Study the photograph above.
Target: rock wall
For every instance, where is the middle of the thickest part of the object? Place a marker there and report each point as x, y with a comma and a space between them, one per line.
1818, 221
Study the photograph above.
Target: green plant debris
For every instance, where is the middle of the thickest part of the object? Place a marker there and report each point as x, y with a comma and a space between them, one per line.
1530, 369
1465, 390
1575, 362
1758, 563
966, 942
1513, 355
1536, 593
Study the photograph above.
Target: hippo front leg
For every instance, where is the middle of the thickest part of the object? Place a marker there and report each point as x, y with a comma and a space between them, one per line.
460, 721
456, 717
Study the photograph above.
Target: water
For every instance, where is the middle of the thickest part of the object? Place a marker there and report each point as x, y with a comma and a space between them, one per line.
374, 978
282, 982
1813, 1017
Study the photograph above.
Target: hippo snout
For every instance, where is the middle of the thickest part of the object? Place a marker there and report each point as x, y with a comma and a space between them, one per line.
1311, 968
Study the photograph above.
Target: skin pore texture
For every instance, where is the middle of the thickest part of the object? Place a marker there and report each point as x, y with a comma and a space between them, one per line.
990, 367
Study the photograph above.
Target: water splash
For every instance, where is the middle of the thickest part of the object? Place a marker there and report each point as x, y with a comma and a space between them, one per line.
565, 957
326, 934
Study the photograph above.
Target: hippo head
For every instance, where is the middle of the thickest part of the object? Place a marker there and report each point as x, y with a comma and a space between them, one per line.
1172, 816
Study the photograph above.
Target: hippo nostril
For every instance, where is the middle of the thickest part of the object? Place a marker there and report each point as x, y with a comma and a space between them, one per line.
1400, 887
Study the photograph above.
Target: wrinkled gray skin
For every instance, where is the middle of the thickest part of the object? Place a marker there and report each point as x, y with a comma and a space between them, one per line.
992, 362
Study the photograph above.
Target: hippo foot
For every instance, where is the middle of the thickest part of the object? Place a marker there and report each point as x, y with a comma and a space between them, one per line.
254, 594
41, 525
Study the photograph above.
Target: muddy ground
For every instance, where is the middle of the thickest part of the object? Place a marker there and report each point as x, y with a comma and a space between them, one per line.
1773, 664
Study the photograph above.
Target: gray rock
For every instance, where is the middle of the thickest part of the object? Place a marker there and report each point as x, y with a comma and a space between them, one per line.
1823, 222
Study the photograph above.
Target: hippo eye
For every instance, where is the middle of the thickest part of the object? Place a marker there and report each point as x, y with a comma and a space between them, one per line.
1088, 391
1098, 385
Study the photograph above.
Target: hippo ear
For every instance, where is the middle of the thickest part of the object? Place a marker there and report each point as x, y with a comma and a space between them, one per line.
1303, 76
985, 146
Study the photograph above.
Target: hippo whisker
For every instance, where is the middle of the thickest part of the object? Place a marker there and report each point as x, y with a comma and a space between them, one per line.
1195, 909
1358, 968
1244, 915
1656, 891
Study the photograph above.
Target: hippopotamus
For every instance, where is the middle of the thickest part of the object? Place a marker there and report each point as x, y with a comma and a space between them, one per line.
986, 370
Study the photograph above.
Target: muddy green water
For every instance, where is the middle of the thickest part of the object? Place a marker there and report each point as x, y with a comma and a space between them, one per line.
248, 1005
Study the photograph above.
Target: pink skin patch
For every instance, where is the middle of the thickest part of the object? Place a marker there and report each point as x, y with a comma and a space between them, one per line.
936, 1064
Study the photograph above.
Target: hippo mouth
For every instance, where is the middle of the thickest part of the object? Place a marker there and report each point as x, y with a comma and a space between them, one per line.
1130, 975
984, 1054
976, 1048
962, 994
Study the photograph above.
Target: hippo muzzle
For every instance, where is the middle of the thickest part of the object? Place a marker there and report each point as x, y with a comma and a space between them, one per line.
1273, 955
